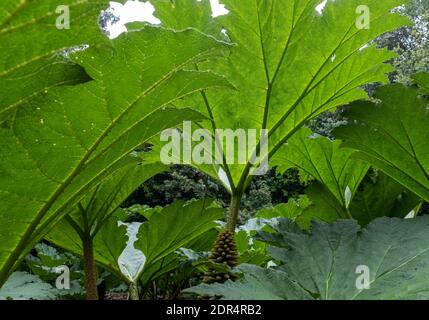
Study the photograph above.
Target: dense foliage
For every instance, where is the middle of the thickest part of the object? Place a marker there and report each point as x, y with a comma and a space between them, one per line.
89, 209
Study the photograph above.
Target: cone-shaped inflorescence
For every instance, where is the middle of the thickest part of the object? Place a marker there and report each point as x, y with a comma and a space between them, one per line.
224, 252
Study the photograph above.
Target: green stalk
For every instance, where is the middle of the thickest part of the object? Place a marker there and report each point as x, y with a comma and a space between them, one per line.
233, 211
90, 269
133, 290
349, 214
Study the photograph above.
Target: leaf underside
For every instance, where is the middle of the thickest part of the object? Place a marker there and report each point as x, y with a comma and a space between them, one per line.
127, 103
288, 64
392, 135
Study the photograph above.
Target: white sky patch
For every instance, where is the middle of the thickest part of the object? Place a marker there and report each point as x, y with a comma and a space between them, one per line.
218, 9
137, 11
321, 6
131, 11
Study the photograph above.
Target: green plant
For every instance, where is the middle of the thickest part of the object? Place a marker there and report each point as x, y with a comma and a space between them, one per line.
252, 251
381, 196
47, 263
326, 263
340, 192
179, 270
138, 251
80, 123
327, 163
188, 183
56, 148
26, 286
282, 87
392, 134
32, 59
96, 209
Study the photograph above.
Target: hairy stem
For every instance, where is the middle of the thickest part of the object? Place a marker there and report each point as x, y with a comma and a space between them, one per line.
233, 211
90, 269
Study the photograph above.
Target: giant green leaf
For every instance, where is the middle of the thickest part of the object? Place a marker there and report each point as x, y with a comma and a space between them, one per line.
26, 286
31, 46
340, 191
174, 226
257, 284
289, 64
202, 243
328, 263
100, 211
98, 206
167, 230
134, 251
324, 160
54, 151
324, 206
113, 192
155, 241
382, 196
395, 251
377, 196
176, 14
392, 134
292, 209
